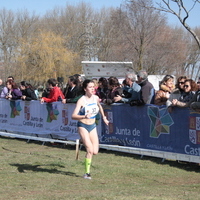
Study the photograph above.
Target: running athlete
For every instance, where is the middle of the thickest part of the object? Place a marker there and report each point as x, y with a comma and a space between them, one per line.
85, 112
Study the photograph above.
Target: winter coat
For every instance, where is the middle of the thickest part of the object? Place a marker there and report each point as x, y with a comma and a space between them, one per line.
162, 95
191, 100
195, 102
73, 94
54, 95
30, 94
135, 92
111, 94
16, 93
147, 90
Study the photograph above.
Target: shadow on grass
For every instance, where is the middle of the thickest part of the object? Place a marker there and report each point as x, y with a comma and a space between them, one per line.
22, 168
195, 167
49, 144
188, 166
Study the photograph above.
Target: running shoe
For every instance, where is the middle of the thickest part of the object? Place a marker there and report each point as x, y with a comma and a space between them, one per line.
87, 176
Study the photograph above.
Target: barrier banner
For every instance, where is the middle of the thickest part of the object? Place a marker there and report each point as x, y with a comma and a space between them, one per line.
147, 127
154, 128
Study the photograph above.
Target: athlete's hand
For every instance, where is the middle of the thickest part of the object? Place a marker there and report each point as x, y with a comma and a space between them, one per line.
88, 116
105, 120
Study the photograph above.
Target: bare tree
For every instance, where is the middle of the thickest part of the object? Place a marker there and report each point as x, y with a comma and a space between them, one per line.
141, 35
77, 24
129, 33
142, 26
106, 35
192, 65
7, 43
181, 12
26, 25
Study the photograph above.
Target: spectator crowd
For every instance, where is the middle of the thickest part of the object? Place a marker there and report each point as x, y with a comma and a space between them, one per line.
135, 89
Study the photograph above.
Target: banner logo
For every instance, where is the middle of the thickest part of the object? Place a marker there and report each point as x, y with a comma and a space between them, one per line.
27, 114
65, 119
15, 108
194, 130
109, 114
52, 112
160, 121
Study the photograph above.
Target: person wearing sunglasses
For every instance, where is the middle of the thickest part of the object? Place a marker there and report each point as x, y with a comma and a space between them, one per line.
177, 92
190, 87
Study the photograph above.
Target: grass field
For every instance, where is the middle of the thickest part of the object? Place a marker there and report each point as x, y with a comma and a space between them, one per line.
32, 171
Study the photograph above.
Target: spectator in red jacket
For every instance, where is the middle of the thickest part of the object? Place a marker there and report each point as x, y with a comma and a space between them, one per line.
55, 92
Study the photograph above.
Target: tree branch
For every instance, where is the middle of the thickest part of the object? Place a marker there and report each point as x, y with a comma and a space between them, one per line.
166, 7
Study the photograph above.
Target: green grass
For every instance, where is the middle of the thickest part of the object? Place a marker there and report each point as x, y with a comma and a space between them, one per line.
32, 171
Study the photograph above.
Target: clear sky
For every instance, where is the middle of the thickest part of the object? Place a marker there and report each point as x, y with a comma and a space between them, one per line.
41, 6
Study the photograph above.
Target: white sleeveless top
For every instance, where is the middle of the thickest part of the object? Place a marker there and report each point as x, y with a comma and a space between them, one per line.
89, 108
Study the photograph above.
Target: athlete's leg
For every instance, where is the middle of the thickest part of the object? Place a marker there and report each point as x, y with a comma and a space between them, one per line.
85, 136
95, 145
89, 150
94, 140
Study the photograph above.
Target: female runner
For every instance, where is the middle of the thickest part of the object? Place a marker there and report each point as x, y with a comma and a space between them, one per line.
85, 112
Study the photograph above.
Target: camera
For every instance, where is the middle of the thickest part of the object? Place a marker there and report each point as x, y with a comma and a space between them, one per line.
138, 102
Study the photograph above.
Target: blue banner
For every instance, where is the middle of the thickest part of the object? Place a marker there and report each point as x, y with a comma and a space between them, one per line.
154, 128
148, 127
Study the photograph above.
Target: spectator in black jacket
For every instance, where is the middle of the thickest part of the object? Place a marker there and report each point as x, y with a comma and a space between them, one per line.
28, 92
102, 89
195, 102
73, 90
